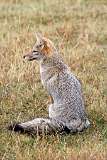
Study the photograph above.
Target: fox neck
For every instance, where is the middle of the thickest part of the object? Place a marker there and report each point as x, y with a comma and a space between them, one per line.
48, 60
53, 62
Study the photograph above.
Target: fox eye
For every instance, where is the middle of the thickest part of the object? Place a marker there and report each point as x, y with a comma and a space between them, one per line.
40, 45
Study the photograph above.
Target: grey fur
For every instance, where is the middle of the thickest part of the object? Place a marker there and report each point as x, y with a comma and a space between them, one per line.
68, 110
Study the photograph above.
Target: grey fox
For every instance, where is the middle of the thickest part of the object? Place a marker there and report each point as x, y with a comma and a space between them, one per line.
66, 112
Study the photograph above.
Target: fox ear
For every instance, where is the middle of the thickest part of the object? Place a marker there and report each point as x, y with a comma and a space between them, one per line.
47, 44
48, 47
39, 36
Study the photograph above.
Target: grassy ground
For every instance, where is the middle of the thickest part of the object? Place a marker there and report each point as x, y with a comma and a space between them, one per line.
79, 29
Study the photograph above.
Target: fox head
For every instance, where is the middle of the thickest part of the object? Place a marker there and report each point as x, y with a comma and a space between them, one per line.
43, 48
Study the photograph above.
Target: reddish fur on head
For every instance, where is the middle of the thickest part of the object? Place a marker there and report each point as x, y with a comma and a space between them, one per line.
48, 46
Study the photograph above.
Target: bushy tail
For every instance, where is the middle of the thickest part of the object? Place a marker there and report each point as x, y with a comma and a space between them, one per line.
38, 126
41, 126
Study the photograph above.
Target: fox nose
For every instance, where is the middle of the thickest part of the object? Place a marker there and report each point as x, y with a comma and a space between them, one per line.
26, 57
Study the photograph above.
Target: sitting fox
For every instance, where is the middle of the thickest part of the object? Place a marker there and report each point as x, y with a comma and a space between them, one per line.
67, 112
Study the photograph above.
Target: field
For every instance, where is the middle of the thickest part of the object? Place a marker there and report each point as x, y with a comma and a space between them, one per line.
79, 29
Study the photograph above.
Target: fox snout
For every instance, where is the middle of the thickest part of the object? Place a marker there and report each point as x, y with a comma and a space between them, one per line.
29, 56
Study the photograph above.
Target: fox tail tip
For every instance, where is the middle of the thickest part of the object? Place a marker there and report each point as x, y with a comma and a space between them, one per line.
16, 127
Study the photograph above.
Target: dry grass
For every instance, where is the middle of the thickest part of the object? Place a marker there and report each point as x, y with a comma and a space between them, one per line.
79, 28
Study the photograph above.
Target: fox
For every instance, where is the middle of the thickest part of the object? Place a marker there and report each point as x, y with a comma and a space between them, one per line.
66, 112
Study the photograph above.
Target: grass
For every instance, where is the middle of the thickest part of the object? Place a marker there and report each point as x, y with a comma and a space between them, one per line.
79, 29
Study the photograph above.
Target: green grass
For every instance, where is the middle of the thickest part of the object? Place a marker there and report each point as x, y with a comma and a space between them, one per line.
79, 29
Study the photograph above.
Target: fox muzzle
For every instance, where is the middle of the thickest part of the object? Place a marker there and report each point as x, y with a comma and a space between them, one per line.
29, 57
